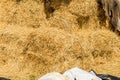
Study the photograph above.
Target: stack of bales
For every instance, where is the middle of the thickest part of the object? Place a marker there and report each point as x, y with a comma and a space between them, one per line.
31, 45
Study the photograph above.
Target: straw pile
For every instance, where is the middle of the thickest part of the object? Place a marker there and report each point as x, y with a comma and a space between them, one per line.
32, 45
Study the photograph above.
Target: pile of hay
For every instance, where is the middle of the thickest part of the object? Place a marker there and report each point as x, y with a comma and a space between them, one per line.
32, 45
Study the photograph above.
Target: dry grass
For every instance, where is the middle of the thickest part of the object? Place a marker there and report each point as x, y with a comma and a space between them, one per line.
31, 45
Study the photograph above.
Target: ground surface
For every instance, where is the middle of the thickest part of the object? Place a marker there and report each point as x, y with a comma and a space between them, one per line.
74, 35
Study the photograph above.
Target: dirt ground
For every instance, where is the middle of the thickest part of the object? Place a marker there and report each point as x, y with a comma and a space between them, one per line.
37, 38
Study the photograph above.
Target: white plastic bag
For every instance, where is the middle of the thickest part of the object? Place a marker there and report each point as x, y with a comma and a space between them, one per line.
79, 74
72, 74
52, 76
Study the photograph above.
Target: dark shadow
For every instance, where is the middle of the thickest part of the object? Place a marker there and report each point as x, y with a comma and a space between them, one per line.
82, 20
18, 1
101, 14
2, 78
51, 5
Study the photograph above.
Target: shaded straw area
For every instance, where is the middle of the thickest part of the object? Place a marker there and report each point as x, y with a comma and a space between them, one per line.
32, 45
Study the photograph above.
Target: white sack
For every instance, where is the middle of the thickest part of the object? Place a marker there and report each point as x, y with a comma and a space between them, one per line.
52, 76
78, 74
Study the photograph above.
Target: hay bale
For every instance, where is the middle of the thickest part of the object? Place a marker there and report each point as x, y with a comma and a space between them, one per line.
71, 37
29, 13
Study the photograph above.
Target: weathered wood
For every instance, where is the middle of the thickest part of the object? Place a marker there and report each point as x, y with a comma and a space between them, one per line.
112, 11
